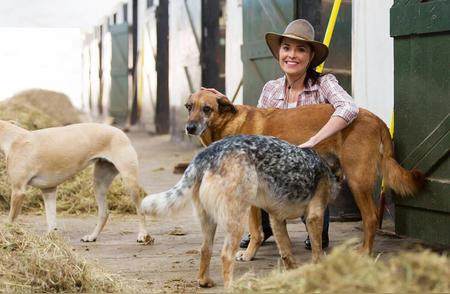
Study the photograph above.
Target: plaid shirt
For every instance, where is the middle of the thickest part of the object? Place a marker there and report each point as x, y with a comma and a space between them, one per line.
326, 90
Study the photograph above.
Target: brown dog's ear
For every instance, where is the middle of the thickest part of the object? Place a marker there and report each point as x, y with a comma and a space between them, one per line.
225, 105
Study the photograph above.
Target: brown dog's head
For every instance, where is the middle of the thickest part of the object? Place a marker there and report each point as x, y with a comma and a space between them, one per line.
206, 110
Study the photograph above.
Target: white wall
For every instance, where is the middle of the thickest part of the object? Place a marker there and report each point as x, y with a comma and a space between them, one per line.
184, 60
373, 57
48, 58
233, 66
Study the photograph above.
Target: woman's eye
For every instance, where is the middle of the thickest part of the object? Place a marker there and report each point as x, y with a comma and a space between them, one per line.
207, 109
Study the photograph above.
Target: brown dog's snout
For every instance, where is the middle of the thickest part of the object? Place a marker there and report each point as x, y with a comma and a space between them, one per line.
191, 128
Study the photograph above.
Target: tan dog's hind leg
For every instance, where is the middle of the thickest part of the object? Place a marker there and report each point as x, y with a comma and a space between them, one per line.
255, 229
49, 196
126, 163
208, 230
283, 242
143, 236
104, 173
133, 188
17, 196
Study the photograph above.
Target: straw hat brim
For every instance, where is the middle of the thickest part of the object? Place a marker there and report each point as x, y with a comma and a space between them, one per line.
320, 50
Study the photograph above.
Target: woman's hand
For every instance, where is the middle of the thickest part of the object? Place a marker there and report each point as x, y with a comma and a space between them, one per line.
334, 125
212, 90
309, 144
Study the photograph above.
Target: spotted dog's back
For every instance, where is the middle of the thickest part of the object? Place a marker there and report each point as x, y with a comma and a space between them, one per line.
286, 172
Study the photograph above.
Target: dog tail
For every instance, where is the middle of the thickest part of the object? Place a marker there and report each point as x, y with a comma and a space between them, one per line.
404, 182
336, 175
173, 200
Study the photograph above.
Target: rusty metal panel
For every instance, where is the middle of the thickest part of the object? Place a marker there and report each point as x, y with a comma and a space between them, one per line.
422, 114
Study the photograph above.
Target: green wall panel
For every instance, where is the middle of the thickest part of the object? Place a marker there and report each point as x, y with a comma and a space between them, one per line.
422, 114
118, 104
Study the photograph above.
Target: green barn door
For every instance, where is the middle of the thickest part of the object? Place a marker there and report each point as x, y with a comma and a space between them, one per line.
421, 31
260, 17
118, 104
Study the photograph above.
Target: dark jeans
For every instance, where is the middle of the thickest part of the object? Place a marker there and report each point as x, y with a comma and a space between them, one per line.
326, 222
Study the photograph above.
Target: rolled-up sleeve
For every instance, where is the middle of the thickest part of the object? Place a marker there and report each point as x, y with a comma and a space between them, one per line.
342, 102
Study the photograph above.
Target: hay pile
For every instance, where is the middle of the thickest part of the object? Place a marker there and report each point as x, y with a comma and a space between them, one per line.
54, 104
27, 116
30, 263
346, 271
37, 109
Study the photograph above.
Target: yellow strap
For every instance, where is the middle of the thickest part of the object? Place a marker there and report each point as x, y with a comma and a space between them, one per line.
330, 28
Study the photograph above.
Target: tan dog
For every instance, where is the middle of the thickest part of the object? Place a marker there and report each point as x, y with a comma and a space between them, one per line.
45, 158
363, 148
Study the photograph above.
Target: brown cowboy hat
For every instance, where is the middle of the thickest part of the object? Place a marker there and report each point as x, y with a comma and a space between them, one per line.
299, 29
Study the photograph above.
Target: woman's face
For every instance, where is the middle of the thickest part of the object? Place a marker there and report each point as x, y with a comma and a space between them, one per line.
294, 56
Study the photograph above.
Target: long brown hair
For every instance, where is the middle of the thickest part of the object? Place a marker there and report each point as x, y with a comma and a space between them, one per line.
312, 75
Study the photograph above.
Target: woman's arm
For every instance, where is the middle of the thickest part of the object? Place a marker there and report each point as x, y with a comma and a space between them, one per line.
334, 125
345, 110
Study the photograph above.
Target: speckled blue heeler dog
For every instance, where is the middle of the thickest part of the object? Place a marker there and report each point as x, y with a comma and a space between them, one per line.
231, 175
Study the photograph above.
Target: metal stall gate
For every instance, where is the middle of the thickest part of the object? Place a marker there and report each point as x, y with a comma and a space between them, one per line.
118, 104
421, 31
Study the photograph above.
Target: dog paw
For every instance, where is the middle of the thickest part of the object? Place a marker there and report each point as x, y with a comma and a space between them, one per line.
89, 238
242, 256
206, 283
145, 239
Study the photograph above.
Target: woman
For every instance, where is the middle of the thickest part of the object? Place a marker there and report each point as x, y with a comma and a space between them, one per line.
298, 54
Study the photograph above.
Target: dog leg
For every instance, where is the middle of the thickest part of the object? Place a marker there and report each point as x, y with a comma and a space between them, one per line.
208, 230
314, 217
128, 169
234, 233
133, 189
283, 242
363, 198
49, 196
104, 173
17, 196
254, 225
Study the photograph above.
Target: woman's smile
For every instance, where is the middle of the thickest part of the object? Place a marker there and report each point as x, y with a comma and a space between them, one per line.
294, 56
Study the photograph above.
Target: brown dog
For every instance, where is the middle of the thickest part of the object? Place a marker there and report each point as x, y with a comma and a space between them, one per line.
363, 148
